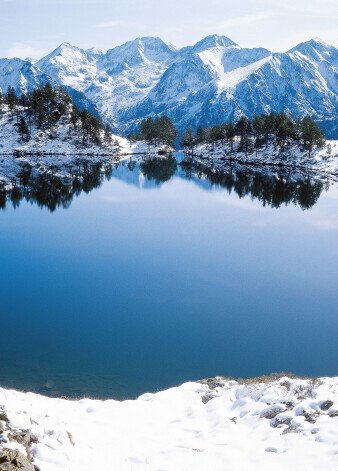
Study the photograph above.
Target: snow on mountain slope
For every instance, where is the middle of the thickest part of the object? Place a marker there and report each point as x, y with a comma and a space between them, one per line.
235, 81
21, 74
209, 61
213, 81
70, 65
112, 81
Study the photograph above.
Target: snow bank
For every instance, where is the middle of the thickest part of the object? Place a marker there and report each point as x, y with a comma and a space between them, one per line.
217, 424
323, 160
61, 140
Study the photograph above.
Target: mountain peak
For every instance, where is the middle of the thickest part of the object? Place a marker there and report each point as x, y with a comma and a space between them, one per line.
94, 52
315, 43
66, 47
213, 40
155, 41
141, 49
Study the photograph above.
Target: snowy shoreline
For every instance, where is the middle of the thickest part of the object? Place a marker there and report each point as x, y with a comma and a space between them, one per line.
321, 161
261, 423
61, 139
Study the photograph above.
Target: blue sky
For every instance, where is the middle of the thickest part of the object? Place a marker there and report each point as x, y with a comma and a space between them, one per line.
32, 28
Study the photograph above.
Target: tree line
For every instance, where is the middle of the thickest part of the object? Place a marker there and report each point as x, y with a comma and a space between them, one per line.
257, 132
47, 106
160, 130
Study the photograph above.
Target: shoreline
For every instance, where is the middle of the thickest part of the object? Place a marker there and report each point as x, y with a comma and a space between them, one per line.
208, 424
319, 162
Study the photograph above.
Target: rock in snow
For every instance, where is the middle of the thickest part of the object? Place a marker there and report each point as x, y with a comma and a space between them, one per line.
211, 82
246, 425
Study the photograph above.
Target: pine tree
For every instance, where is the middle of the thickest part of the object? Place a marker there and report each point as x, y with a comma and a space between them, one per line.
23, 128
11, 100
311, 134
246, 144
74, 115
231, 134
200, 137
258, 126
188, 139
49, 95
216, 133
242, 126
207, 134
107, 134
168, 132
132, 137
146, 129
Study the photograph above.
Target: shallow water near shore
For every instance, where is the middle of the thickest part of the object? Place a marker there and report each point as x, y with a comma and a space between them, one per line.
145, 275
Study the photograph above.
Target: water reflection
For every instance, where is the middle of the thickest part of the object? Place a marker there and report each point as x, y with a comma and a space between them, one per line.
270, 188
53, 185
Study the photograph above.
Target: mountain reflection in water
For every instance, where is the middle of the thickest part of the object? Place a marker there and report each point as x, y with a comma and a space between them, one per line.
54, 186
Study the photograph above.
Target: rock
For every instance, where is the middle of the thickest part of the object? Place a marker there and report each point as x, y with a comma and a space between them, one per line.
11, 460
212, 383
271, 413
291, 429
206, 399
333, 413
311, 417
25, 437
326, 405
3, 416
282, 421
288, 404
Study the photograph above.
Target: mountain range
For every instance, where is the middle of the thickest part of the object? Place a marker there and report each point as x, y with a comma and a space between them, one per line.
213, 81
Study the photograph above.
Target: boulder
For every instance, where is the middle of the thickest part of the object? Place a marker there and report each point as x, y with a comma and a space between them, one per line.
326, 405
11, 460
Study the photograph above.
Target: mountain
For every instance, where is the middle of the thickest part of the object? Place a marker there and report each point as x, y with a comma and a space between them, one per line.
213, 81
218, 81
111, 81
23, 75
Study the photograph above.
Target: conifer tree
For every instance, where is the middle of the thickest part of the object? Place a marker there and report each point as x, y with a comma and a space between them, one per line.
231, 134
200, 134
311, 134
188, 139
107, 134
23, 128
132, 137
242, 126
168, 132
11, 100
258, 126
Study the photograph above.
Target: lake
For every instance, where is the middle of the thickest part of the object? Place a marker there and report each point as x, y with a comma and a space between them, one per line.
117, 280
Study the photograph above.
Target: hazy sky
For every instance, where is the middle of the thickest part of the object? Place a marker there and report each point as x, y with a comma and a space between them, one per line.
35, 27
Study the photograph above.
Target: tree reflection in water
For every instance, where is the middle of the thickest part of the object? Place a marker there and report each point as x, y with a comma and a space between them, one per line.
56, 187
272, 188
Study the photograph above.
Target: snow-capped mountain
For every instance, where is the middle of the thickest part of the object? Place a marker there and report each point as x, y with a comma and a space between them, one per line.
23, 75
112, 81
213, 81
218, 81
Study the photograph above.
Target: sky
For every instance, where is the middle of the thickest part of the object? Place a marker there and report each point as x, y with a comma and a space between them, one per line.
33, 28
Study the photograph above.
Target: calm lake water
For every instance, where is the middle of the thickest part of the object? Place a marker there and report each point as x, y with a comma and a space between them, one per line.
150, 274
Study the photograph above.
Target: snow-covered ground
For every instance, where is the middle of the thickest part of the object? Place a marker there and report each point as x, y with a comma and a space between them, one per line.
64, 140
321, 160
217, 424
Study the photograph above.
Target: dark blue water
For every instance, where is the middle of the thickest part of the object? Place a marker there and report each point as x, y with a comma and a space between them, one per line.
145, 277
